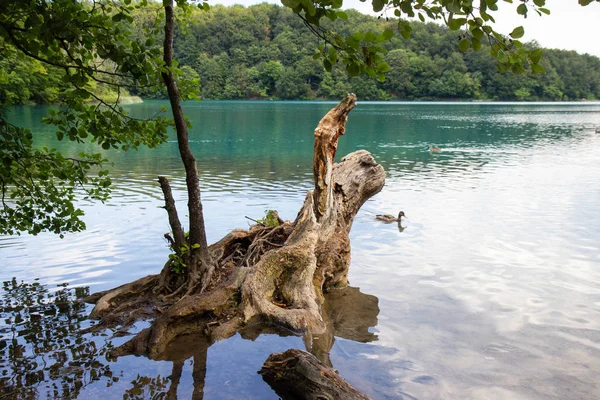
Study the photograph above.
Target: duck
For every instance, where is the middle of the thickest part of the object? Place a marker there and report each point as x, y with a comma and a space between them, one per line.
390, 218
434, 149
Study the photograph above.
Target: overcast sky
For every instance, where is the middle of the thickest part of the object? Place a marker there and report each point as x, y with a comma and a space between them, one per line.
569, 26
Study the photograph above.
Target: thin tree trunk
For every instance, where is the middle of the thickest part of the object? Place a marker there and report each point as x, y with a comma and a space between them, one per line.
178, 234
197, 228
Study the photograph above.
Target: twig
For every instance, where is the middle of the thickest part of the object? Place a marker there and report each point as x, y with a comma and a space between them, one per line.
260, 223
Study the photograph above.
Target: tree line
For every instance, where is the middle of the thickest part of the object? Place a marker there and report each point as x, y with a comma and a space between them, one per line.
266, 52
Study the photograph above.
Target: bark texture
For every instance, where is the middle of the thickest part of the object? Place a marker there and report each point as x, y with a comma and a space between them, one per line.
178, 239
265, 275
200, 265
298, 375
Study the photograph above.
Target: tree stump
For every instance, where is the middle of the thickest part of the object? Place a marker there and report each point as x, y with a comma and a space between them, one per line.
267, 275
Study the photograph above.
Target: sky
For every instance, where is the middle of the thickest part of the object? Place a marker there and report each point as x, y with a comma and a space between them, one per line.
569, 25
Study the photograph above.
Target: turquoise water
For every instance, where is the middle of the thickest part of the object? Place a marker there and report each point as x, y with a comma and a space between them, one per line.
491, 290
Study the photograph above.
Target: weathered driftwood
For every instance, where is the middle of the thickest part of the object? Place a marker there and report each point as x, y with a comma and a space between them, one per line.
273, 275
298, 375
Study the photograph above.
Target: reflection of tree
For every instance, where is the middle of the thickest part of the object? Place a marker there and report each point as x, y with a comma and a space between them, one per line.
42, 353
147, 388
294, 374
190, 346
348, 314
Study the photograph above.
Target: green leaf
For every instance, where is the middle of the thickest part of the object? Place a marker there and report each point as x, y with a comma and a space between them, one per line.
464, 45
535, 56
290, 3
503, 57
383, 67
353, 69
405, 29
358, 36
378, 5
537, 69
342, 15
455, 23
503, 67
517, 69
388, 34
477, 33
517, 33
522, 9
333, 55
539, 3
476, 44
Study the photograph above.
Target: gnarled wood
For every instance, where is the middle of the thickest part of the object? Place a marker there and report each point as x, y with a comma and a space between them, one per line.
298, 375
327, 133
274, 275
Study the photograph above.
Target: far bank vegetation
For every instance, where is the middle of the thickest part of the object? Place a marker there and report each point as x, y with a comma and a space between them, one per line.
264, 52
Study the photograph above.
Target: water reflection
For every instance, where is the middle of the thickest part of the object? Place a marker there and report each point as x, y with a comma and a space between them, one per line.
401, 228
348, 314
44, 354
41, 352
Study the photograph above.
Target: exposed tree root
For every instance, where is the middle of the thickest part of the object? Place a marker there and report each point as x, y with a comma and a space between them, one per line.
273, 275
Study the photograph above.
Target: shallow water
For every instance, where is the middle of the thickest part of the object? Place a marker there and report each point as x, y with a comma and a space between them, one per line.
491, 290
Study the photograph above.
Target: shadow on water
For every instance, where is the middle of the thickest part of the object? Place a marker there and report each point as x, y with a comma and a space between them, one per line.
44, 354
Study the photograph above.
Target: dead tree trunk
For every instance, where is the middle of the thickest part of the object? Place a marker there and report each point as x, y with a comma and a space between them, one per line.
273, 275
286, 285
298, 375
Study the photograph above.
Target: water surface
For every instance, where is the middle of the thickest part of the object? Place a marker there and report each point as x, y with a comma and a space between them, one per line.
491, 290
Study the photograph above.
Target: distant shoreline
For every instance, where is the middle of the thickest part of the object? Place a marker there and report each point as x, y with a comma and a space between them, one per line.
133, 100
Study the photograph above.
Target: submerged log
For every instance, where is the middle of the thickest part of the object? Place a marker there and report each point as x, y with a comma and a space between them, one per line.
267, 274
298, 375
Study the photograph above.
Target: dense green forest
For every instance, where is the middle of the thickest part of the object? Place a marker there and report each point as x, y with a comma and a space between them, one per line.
266, 52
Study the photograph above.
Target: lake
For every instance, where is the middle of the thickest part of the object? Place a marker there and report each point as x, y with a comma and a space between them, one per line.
491, 290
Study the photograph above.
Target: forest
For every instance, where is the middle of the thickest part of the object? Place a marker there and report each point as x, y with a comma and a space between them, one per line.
266, 52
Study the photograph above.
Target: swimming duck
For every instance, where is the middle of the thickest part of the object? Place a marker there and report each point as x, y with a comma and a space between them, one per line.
391, 218
434, 149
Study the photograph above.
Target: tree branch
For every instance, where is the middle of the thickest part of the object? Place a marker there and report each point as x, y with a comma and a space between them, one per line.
178, 234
